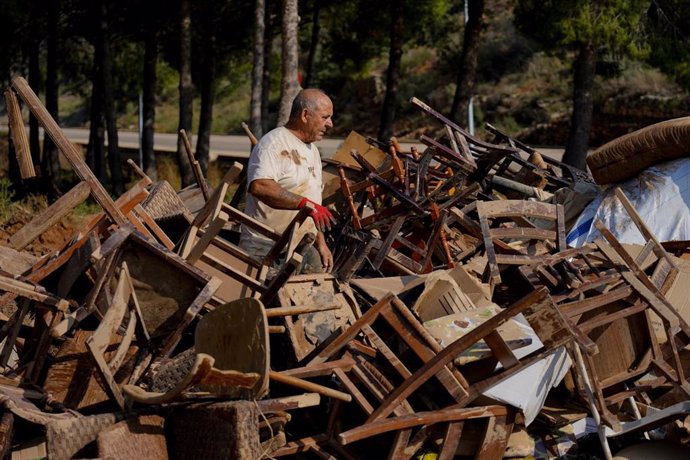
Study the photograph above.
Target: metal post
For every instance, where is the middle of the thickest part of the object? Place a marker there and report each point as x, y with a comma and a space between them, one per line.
470, 107
141, 131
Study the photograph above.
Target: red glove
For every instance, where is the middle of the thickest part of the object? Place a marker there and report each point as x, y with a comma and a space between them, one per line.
321, 215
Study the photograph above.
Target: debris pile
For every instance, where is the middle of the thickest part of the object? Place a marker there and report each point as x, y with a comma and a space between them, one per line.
454, 307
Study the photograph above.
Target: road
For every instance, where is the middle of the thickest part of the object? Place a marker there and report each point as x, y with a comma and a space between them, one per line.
232, 146
228, 146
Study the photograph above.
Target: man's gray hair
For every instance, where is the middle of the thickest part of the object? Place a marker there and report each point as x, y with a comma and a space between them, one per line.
308, 98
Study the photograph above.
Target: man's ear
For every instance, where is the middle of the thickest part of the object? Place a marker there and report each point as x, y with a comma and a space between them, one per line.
304, 114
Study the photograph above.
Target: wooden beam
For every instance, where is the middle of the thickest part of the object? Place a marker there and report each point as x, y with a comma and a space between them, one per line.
30, 291
50, 216
196, 168
70, 151
19, 138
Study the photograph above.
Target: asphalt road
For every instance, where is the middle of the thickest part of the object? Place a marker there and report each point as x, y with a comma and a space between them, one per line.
231, 146
238, 146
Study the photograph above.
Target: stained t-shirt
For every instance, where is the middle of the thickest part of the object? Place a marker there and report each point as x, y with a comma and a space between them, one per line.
296, 167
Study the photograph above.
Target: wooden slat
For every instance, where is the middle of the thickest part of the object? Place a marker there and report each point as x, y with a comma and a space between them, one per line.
451, 441
537, 298
50, 216
68, 149
420, 418
29, 291
19, 138
309, 386
196, 167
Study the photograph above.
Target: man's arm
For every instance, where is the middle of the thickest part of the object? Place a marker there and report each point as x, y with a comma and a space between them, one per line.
270, 192
324, 252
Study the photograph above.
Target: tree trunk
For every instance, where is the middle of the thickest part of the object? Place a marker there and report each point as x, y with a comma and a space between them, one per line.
114, 161
149, 99
50, 165
310, 78
35, 83
258, 69
266, 79
583, 105
289, 86
186, 91
208, 90
467, 70
393, 74
95, 151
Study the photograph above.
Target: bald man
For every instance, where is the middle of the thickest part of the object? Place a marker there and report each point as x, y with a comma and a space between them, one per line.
284, 174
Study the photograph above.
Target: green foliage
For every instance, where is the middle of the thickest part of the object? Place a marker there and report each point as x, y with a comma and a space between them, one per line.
6, 203
667, 26
612, 26
88, 207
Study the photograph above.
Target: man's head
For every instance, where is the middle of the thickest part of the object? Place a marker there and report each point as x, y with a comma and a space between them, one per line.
311, 114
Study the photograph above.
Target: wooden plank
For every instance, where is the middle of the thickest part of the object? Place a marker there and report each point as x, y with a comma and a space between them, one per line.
19, 138
398, 451
289, 402
350, 333
495, 438
637, 278
30, 291
318, 370
17, 321
210, 233
286, 236
299, 310
524, 233
281, 278
500, 349
154, 227
125, 202
642, 227
451, 440
309, 386
537, 298
196, 167
354, 391
50, 216
213, 204
453, 414
68, 149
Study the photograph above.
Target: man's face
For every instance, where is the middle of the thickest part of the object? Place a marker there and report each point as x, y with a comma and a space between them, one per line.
319, 121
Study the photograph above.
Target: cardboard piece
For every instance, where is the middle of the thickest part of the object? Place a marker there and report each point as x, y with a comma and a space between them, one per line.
355, 141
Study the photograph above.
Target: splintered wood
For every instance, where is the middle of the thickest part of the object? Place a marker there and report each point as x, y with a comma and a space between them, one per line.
452, 282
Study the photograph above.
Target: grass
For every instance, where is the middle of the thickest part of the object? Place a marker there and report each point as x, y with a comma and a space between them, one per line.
6, 203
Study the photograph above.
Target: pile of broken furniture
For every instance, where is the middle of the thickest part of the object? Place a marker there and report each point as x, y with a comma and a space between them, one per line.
153, 334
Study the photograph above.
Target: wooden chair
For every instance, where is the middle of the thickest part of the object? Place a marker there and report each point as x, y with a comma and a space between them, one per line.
519, 228
175, 290
612, 310
404, 385
48, 310
125, 307
553, 173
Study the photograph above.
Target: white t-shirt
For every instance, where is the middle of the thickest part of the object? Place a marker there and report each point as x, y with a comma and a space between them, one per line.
296, 167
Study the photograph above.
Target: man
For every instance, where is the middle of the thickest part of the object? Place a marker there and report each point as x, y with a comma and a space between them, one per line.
284, 174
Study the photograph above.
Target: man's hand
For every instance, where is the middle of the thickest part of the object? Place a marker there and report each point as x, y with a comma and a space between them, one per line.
324, 252
321, 215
